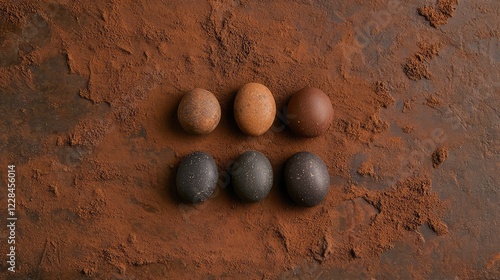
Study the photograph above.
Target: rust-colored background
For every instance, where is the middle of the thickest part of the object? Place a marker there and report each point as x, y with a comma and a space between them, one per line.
88, 98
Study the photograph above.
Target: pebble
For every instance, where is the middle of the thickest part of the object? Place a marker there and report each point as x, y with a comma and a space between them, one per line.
199, 111
309, 112
254, 109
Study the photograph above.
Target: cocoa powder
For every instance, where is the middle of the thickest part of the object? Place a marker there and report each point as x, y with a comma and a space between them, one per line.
99, 198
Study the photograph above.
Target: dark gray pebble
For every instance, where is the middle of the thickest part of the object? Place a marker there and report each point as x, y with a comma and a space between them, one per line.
252, 176
197, 177
307, 179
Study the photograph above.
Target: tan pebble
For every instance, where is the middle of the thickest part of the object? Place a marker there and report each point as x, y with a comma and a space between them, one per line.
254, 109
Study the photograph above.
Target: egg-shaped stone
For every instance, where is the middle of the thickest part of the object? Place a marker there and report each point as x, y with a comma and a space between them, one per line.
252, 176
197, 177
199, 111
309, 112
307, 179
254, 109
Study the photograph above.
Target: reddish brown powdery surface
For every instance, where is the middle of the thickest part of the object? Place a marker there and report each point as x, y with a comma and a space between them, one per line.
415, 67
100, 198
438, 14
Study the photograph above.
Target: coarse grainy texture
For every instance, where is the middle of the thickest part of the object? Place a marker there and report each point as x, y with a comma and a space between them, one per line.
439, 156
415, 67
440, 13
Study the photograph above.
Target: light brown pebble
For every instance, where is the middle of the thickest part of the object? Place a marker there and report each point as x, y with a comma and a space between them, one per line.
199, 111
254, 109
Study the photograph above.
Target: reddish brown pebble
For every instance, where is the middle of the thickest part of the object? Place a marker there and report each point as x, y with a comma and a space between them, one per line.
254, 109
199, 111
309, 112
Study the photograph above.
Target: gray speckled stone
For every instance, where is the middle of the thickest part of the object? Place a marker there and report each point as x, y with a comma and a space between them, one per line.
197, 177
307, 179
252, 176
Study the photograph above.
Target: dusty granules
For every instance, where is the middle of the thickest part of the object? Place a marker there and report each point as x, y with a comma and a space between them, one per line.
389, 216
407, 128
433, 101
384, 97
411, 193
366, 169
407, 105
439, 156
415, 67
438, 14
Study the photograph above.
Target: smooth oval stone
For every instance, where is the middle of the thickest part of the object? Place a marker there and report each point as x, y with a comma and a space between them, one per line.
254, 109
199, 111
252, 176
309, 112
197, 177
307, 179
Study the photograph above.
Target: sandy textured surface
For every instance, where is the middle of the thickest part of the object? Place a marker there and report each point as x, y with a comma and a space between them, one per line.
88, 100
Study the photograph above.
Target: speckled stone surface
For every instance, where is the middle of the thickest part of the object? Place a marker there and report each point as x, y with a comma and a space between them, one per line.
254, 109
197, 177
252, 176
309, 112
307, 179
199, 111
